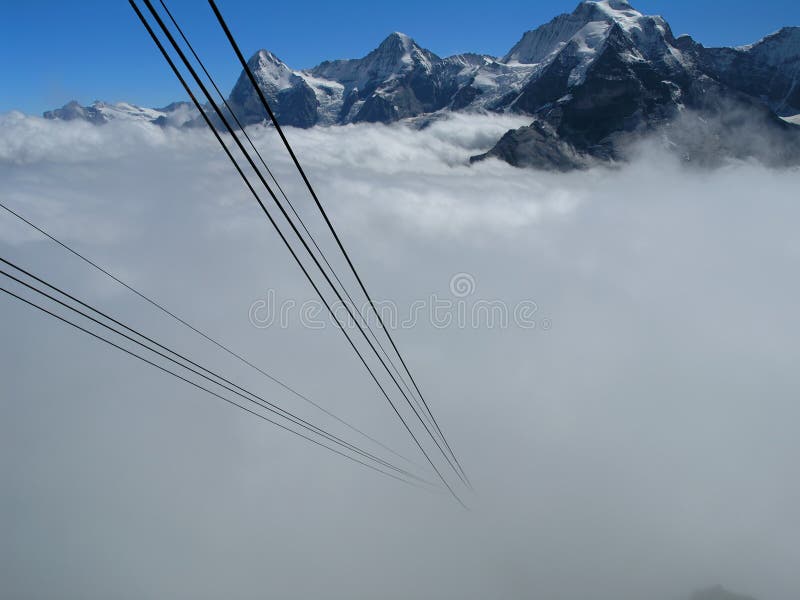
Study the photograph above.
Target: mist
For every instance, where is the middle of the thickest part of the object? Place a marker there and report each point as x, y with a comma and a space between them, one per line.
638, 442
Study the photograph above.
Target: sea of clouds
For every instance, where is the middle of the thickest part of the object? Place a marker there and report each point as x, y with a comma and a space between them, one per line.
641, 445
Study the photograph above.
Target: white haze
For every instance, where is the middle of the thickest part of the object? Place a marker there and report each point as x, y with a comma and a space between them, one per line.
643, 446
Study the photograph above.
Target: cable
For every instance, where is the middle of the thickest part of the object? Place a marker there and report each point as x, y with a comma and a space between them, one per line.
288, 146
200, 387
252, 164
202, 334
263, 207
285, 197
271, 407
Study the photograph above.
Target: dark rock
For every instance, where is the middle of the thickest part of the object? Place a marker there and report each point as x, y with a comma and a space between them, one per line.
537, 146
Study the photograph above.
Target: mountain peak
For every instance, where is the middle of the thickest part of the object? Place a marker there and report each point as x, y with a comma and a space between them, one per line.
611, 10
397, 43
396, 54
589, 77
612, 4
779, 49
263, 57
784, 34
586, 27
269, 70
400, 36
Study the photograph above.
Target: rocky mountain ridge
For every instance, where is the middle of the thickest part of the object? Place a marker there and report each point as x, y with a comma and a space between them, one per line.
594, 81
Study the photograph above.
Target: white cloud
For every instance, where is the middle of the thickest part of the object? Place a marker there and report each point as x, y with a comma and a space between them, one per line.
641, 447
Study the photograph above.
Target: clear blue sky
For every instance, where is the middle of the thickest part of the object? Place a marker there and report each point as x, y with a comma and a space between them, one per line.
52, 52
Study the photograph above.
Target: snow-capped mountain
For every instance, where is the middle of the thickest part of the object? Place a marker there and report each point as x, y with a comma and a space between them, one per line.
389, 83
585, 30
607, 74
293, 100
397, 80
176, 114
593, 81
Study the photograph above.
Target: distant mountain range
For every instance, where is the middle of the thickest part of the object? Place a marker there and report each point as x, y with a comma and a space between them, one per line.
594, 82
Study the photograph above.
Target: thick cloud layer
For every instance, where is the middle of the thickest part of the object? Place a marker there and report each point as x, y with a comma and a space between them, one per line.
639, 442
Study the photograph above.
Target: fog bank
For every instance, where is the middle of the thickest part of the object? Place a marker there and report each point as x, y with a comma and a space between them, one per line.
638, 443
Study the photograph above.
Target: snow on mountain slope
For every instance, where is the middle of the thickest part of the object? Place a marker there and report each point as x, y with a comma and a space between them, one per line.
538, 45
622, 75
583, 33
125, 111
387, 84
586, 25
397, 54
329, 95
588, 79
778, 48
400, 79
481, 82
270, 71
393, 81
561, 53
769, 69
177, 113
294, 100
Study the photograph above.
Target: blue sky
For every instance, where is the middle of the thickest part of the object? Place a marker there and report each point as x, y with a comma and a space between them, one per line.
52, 52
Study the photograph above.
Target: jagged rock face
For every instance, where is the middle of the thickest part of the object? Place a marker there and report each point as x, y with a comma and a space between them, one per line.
768, 69
622, 74
482, 82
392, 82
291, 98
536, 145
398, 53
593, 81
397, 80
606, 71
613, 95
